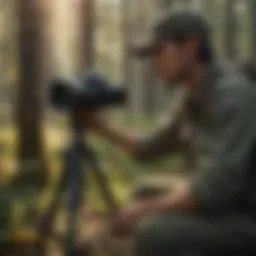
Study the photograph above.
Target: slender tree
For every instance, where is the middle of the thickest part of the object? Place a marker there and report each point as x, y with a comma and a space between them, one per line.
230, 40
126, 11
166, 3
31, 62
86, 34
7, 58
147, 78
208, 8
252, 8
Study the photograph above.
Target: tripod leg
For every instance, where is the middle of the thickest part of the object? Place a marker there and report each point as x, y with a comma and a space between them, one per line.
46, 224
75, 193
45, 228
103, 183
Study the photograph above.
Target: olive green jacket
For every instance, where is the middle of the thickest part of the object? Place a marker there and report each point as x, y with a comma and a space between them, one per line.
216, 127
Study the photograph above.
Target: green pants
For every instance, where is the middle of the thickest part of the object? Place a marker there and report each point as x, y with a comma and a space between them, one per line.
184, 234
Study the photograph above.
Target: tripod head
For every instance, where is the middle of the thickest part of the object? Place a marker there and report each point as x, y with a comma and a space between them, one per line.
90, 92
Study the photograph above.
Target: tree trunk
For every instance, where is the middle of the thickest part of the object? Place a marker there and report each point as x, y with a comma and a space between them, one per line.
86, 29
30, 86
147, 76
166, 3
7, 59
230, 42
208, 8
252, 8
126, 13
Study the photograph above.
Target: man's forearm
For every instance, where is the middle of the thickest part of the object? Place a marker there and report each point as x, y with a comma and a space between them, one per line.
126, 142
143, 149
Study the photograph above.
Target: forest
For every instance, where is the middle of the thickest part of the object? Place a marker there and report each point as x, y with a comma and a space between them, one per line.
41, 40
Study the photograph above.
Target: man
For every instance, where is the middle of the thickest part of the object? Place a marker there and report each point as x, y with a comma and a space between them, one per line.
214, 210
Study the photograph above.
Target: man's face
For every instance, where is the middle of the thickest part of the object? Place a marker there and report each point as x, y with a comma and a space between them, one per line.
171, 61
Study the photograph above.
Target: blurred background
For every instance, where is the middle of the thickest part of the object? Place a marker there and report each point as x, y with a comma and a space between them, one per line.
43, 39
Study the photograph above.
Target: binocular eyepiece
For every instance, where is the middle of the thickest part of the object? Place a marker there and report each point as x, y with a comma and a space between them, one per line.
91, 92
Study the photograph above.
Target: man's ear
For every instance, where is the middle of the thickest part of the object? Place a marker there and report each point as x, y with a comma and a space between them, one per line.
192, 45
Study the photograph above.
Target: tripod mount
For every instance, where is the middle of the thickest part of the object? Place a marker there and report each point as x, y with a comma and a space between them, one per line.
73, 184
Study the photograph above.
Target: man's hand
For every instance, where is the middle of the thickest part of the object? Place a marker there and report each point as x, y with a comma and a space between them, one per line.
91, 120
180, 199
93, 123
127, 220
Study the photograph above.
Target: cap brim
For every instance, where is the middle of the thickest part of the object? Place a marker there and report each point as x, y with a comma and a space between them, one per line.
142, 47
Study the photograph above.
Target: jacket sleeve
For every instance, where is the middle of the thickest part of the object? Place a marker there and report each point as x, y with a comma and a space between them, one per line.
162, 142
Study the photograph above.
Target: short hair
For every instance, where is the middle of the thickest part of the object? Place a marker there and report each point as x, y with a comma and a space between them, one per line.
205, 51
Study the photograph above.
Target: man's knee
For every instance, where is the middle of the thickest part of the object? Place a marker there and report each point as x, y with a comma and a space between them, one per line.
165, 234
154, 236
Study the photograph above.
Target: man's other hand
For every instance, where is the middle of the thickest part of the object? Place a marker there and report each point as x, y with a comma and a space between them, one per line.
91, 120
128, 219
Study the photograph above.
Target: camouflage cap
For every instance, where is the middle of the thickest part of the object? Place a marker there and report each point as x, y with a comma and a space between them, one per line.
171, 26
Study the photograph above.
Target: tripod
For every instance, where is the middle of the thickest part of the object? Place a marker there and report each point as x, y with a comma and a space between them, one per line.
73, 184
